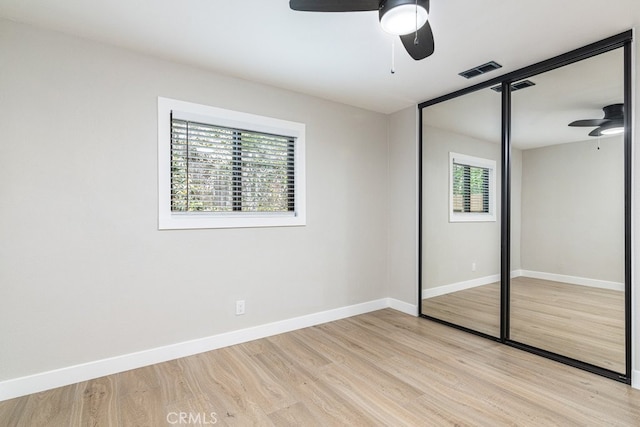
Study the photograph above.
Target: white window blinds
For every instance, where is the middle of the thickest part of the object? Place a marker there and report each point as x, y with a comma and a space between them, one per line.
221, 169
470, 188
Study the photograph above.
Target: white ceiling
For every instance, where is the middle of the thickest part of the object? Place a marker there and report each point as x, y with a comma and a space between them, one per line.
343, 57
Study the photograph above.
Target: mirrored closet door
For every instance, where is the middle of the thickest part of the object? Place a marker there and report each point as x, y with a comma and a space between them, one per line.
461, 179
567, 212
525, 208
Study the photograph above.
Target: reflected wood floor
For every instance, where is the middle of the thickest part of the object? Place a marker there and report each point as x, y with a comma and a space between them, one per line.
580, 322
475, 308
380, 368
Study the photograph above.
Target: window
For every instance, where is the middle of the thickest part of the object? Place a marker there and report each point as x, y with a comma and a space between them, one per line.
220, 168
471, 188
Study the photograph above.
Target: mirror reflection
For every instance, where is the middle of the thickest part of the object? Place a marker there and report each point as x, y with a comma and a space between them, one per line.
567, 279
567, 212
461, 151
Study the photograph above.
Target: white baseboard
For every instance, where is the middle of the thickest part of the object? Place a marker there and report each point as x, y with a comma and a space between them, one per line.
574, 280
17, 387
635, 379
459, 286
402, 306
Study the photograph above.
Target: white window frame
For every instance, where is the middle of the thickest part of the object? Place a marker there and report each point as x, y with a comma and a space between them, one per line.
474, 162
168, 220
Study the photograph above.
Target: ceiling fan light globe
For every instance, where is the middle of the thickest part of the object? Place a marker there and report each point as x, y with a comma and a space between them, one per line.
613, 131
401, 20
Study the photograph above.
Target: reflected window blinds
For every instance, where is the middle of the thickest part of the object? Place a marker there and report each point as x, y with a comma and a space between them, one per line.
470, 188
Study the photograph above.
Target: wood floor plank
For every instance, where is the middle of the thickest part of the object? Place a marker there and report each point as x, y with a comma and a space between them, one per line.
303, 376
368, 396
229, 397
13, 411
308, 357
52, 407
267, 391
567, 401
452, 395
281, 366
380, 368
376, 333
143, 408
173, 383
295, 415
137, 380
330, 407
99, 405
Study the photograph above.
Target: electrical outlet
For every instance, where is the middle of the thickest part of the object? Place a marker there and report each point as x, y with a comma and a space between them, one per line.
239, 307
473, 266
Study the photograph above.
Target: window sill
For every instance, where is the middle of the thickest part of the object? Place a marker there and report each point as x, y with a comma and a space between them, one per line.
472, 218
188, 221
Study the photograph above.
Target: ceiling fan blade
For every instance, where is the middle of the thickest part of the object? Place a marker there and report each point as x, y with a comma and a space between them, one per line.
334, 5
589, 123
425, 46
596, 132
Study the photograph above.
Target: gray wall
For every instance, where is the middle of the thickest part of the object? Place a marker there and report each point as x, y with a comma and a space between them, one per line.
573, 209
403, 206
84, 272
516, 208
450, 248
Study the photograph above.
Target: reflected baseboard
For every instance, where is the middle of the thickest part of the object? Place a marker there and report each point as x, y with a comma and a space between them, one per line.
459, 286
573, 280
481, 281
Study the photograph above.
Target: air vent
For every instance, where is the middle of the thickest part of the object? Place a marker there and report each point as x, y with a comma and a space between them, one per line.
480, 69
515, 86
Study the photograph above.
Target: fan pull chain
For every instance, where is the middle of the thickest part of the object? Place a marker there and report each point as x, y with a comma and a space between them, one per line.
415, 40
393, 57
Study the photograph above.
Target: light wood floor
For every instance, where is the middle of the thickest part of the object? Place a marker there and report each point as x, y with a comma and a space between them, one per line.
580, 322
381, 368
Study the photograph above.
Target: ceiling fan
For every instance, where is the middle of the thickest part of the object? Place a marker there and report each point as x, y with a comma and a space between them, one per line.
405, 18
611, 124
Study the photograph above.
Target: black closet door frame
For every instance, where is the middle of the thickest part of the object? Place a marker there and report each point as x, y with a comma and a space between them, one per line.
622, 40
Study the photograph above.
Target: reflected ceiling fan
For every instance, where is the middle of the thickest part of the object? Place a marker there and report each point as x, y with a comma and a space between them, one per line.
405, 18
611, 124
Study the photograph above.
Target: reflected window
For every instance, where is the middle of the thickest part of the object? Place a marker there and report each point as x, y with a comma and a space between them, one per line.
472, 188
